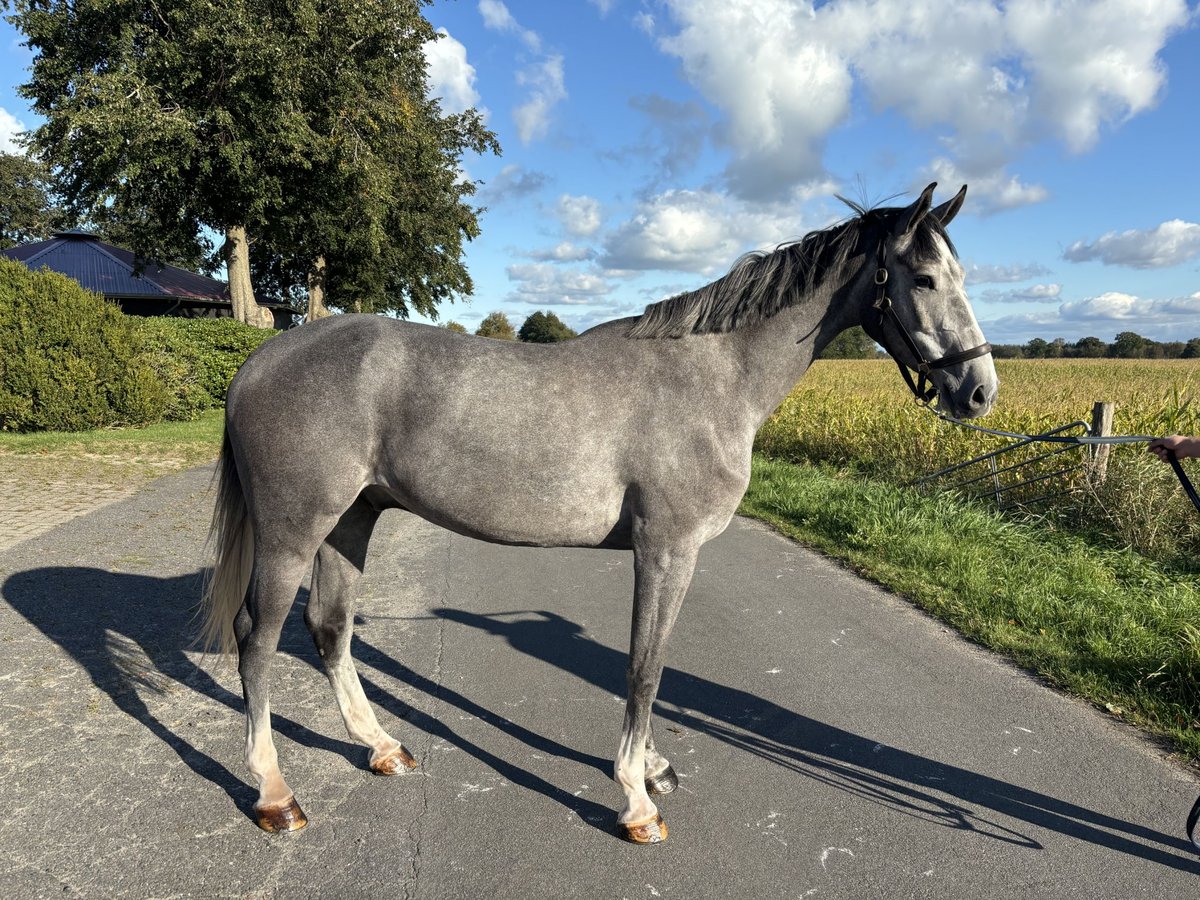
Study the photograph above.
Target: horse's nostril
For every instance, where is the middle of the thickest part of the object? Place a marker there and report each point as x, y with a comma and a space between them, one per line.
979, 398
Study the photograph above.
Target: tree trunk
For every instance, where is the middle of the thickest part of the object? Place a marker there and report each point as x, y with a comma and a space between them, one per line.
241, 291
316, 291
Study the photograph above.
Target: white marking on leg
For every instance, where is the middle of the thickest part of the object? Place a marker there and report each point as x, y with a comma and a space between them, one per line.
263, 761
630, 771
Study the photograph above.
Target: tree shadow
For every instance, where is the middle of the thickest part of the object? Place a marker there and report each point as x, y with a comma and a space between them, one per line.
914, 785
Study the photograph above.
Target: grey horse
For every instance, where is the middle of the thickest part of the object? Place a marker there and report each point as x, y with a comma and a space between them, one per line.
636, 435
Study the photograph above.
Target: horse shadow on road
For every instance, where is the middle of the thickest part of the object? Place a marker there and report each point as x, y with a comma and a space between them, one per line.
914, 785
133, 633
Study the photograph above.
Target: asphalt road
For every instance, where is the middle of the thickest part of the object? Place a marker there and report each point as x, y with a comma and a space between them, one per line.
832, 741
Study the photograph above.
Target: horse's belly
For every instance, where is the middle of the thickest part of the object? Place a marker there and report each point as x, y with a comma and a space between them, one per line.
504, 515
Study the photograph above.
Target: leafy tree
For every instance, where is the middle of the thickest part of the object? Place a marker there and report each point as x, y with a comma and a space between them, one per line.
545, 328
1192, 349
381, 215
853, 343
496, 325
1007, 351
1172, 349
162, 113
27, 208
1037, 349
1089, 348
304, 125
455, 326
1129, 345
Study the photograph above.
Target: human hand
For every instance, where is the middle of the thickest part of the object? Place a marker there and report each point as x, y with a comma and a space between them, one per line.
1181, 446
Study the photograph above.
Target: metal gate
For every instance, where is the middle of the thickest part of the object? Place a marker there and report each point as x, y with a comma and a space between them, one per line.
1024, 474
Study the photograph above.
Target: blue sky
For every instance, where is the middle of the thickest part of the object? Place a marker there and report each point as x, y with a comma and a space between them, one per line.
648, 143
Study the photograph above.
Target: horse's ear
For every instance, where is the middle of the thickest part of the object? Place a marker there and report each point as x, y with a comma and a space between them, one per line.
911, 217
950, 208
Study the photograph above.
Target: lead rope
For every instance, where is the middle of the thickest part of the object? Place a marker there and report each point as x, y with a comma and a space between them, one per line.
1194, 816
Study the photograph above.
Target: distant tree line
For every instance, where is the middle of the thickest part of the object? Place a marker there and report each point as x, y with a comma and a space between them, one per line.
854, 343
1126, 345
539, 328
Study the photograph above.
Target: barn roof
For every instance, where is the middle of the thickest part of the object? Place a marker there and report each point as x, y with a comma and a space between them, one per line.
111, 271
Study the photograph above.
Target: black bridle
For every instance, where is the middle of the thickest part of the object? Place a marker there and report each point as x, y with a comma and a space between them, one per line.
922, 390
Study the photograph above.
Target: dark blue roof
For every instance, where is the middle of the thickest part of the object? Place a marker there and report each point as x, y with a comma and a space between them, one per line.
109, 270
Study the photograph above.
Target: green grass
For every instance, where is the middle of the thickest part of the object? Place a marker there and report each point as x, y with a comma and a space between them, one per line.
1107, 625
189, 443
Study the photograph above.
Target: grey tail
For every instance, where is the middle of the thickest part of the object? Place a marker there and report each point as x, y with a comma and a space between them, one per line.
231, 539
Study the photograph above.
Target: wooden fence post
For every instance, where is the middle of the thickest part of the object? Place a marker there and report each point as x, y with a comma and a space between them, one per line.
1102, 419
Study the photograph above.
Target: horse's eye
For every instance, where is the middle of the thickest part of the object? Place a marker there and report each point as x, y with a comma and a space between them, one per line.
923, 281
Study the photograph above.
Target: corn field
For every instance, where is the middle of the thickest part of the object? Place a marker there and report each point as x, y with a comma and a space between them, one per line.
858, 414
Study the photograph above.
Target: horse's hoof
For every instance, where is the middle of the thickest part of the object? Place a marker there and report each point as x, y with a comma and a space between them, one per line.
652, 831
662, 783
286, 817
394, 763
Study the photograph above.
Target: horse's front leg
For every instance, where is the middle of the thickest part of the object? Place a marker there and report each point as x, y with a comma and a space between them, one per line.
662, 572
660, 774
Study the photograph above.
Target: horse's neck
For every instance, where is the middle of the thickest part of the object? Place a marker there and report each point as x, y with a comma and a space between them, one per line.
775, 353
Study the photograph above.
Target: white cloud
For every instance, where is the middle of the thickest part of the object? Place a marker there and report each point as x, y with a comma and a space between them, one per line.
605, 6
543, 78
644, 22
696, 231
1036, 293
1170, 244
497, 17
1092, 62
978, 273
545, 81
781, 87
513, 183
679, 133
564, 252
451, 77
989, 190
549, 285
580, 215
1118, 307
1104, 316
990, 77
10, 127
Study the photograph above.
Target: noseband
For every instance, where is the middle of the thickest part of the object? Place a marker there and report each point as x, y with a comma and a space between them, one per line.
923, 391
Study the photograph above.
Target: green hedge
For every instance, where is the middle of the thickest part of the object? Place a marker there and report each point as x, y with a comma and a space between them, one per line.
198, 358
72, 361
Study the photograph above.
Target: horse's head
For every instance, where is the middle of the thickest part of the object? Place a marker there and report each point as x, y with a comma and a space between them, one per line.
918, 310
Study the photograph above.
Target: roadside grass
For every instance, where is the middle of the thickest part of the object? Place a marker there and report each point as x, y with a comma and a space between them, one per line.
171, 445
1107, 625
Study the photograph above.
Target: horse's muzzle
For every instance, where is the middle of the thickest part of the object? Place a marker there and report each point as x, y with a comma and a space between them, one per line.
972, 394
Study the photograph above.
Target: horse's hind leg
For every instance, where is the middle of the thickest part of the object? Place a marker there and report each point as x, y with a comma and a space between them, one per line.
330, 619
277, 576
661, 577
